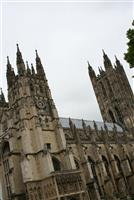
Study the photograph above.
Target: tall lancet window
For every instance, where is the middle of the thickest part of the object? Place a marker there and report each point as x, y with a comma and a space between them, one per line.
118, 163
118, 113
5, 162
93, 170
105, 161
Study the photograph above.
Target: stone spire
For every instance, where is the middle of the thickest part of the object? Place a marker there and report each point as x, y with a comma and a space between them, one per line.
118, 64
28, 69
32, 68
10, 73
91, 71
20, 62
2, 97
107, 62
39, 67
19, 58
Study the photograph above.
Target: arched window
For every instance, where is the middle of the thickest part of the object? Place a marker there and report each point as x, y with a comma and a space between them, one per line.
130, 164
112, 116
103, 89
56, 164
105, 161
92, 165
93, 169
118, 114
118, 163
5, 161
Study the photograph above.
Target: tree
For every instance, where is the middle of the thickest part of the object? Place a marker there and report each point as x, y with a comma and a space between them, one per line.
129, 56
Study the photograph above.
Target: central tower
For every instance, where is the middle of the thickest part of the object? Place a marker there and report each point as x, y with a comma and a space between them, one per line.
35, 159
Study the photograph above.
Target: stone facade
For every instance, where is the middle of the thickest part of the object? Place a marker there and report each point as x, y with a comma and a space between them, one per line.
113, 92
44, 157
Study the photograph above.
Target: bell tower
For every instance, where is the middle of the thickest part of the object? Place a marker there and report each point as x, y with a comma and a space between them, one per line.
113, 93
34, 145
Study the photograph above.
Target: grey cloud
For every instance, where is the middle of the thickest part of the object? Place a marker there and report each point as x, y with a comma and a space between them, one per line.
66, 36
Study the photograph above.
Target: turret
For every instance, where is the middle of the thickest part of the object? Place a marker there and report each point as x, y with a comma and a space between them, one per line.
20, 62
10, 73
107, 62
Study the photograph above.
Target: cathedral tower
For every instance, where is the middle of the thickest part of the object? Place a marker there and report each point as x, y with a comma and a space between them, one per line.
113, 93
34, 156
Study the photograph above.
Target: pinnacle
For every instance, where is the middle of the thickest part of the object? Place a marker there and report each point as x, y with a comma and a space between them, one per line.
89, 66
8, 62
18, 50
36, 53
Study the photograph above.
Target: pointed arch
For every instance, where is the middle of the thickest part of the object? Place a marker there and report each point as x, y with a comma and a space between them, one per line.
5, 149
118, 113
106, 164
112, 116
56, 164
129, 162
118, 163
6, 167
92, 164
93, 169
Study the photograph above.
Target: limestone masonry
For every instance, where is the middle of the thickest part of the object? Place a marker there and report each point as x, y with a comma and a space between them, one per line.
45, 157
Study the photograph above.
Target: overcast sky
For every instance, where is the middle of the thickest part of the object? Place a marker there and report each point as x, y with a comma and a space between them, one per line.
66, 35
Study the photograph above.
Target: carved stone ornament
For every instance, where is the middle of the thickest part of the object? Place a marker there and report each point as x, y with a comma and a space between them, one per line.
41, 104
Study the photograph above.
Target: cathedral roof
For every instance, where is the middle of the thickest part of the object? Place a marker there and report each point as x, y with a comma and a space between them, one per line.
78, 124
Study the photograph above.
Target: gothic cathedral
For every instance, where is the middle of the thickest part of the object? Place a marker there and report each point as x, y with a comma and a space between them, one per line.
45, 157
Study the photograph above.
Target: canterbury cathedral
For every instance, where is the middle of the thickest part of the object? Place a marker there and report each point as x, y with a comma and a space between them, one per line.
46, 157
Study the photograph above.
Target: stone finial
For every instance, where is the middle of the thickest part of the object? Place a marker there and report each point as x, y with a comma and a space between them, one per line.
39, 66
19, 58
2, 97
107, 62
83, 124
8, 62
20, 62
91, 71
95, 125
105, 127
10, 73
28, 69
118, 63
33, 70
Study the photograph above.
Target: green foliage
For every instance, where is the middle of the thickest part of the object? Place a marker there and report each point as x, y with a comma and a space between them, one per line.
129, 56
